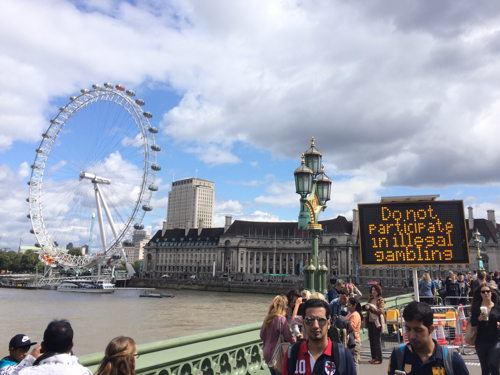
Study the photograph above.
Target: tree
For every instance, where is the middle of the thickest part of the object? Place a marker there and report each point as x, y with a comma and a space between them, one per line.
16, 262
75, 251
29, 262
137, 266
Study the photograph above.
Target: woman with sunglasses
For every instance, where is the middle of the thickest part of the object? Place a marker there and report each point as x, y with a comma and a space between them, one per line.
119, 357
485, 315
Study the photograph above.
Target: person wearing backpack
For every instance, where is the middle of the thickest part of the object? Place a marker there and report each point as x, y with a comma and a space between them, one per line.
318, 354
423, 355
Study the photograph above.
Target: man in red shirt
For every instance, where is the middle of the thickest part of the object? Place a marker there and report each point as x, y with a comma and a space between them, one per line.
318, 355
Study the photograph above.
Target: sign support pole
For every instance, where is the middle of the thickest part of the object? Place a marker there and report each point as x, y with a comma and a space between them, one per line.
415, 284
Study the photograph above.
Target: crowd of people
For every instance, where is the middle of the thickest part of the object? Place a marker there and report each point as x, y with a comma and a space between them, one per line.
322, 333
54, 356
310, 333
457, 288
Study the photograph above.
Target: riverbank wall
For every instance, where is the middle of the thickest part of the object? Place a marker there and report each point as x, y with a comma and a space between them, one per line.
237, 286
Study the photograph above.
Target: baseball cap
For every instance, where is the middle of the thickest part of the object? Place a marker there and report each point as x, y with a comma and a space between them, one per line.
20, 341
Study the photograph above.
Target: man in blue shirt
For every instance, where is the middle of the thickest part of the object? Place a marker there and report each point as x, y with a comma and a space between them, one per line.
423, 355
19, 346
338, 307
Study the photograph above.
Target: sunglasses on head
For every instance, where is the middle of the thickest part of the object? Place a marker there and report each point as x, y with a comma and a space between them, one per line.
310, 321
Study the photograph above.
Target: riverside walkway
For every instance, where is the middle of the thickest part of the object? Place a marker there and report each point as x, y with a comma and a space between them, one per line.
236, 350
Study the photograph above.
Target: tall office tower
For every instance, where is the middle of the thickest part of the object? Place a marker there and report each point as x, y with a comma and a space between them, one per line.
191, 204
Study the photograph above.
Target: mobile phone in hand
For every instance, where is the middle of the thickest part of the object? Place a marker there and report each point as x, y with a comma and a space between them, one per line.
399, 372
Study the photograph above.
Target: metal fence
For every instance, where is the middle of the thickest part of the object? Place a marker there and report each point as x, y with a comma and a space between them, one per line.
450, 322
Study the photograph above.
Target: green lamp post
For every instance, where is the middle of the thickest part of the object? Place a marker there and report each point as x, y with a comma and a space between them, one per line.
479, 258
314, 188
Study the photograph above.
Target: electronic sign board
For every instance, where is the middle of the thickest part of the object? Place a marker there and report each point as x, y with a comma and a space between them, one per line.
413, 233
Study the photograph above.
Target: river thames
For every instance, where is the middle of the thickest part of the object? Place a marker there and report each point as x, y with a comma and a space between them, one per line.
97, 318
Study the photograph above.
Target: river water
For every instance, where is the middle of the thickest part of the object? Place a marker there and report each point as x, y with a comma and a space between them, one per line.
97, 318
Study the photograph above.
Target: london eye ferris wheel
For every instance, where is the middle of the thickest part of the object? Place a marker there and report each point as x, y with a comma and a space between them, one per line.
93, 176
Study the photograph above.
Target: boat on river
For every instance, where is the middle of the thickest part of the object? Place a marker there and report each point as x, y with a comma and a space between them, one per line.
156, 295
86, 286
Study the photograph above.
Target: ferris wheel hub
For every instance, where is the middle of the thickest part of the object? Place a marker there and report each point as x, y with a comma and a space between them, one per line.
94, 178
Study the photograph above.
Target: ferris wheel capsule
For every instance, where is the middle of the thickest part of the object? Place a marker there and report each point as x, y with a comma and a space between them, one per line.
84, 91
147, 114
153, 130
96, 86
108, 85
140, 102
155, 148
120, 87
130, 92
155, 167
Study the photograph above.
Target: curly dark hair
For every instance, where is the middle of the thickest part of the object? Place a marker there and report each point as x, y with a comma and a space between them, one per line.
378, 288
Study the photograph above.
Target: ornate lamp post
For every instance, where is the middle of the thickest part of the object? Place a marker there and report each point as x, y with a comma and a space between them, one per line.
314, 188
477, 242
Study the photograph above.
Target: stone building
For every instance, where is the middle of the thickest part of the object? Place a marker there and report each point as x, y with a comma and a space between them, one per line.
249, 250
245, 250
489, 235
191, 204
135, 250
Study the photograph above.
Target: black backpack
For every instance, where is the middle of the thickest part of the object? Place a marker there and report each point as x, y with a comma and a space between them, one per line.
447, 357
341, 332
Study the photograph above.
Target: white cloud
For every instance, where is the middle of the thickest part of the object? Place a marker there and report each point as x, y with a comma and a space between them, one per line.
230, 207
396, 95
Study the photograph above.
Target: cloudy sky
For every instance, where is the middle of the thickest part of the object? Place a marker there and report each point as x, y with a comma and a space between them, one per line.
402, 96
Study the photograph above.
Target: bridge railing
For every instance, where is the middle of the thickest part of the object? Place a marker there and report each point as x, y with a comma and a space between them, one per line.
235, 350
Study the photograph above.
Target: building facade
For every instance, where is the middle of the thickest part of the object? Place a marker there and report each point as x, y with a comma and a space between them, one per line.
191, 204
246, 250
135, 252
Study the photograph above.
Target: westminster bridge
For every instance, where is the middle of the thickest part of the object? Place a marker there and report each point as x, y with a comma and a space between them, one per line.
236, 350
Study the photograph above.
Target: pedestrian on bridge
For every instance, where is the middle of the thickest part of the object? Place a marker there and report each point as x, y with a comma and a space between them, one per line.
119, 357
318, 354
275, 325
423, 355
18, 357
375, 323
485, 315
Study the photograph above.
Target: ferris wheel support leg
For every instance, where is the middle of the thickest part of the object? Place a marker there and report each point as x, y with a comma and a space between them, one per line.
99, 216
110, 220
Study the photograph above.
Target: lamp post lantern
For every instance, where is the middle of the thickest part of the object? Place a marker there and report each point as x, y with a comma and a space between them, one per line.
314, 188
479, 258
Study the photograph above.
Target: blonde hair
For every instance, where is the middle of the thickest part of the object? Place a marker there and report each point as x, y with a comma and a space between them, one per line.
318, 295
305, 294
278, 307
426, 277
119, 357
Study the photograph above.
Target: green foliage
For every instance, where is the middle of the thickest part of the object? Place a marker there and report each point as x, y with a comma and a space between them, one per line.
75, 251
16, 262
137, 266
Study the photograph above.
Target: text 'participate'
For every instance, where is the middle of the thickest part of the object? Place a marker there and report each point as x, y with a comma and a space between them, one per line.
413, 233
